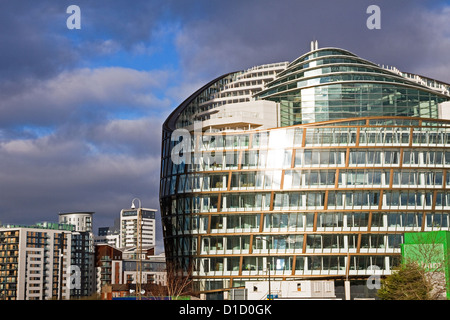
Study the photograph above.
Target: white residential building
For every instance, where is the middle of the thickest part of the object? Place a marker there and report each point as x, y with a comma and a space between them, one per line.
129, 224
81, 220
35, 261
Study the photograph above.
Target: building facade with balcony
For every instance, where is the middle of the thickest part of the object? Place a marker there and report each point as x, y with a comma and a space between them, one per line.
35, 261
312, 169
119, 267
82, 251
129, 227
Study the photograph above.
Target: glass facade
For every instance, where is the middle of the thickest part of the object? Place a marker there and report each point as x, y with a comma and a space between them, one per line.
334, 84
359, 158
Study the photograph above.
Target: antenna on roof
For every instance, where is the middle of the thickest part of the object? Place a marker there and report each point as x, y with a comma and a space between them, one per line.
314, 45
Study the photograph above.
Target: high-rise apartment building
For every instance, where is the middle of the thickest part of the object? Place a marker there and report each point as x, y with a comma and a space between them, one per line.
82, 251
81, 220
129, 224
310, 169
34, 261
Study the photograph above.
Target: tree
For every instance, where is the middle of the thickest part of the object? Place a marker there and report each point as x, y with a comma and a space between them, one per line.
422, 273
179, 282
407, 282
429, 251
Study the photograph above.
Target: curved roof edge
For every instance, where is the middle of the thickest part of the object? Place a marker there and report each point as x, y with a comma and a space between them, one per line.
169, 124
296, 60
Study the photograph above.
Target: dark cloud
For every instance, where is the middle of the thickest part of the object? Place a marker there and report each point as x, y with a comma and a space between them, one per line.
36, 44
79, 172
239, 34
29, 47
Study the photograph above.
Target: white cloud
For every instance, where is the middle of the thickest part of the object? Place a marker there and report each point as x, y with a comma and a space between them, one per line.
102, 90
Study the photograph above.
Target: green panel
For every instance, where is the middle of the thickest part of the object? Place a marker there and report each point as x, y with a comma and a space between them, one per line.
431, 255
430, 249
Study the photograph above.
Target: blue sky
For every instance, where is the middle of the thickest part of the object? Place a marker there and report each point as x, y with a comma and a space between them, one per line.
81, 110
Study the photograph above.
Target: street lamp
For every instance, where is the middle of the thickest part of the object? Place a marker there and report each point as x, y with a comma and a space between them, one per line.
268, 252
138, 249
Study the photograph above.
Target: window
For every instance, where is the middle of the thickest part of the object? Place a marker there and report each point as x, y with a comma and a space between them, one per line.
245, 201
357, 199
406, 198
330, 220
372, 241
242, 221
315, 178
357, 219
314, 157
288, 200
292, 179
363, 178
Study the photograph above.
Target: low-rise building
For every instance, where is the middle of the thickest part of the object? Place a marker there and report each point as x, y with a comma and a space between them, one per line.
153, 270
108, 263
303, 289
127, 291
119, 267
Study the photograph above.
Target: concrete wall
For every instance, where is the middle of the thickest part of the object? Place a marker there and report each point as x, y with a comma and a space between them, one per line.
444, 110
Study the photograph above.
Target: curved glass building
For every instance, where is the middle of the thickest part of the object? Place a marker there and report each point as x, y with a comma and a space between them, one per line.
309, 169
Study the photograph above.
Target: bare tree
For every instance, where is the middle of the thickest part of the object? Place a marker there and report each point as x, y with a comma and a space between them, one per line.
428, 251
424, 261
179, 281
